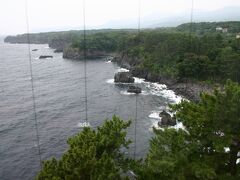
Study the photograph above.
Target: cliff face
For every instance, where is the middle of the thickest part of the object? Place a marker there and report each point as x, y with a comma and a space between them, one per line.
126, 61
59, 44
74, 53
184, 87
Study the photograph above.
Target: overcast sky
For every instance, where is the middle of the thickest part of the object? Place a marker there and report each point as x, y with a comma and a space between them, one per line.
47, 15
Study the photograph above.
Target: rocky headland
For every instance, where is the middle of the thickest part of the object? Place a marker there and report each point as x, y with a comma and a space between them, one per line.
184, 87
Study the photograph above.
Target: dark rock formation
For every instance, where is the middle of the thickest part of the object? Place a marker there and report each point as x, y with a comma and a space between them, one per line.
59, 44
125, 61
134, 89
35, 50
166, 119
123, 77
45, 57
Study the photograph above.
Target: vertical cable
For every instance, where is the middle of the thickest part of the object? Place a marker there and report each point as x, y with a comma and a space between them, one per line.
139, 15
85, 61
191, 24
135, 128
190, 38
32, 85
136, 102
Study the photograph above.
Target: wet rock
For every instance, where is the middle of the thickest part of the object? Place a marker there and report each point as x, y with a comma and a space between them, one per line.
134, 89
45, 57
123, 77
166, 119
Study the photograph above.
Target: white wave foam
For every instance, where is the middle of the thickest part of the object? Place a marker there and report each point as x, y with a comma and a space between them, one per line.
179, 125
145, 93
155, 125
169, 94
161, 90
122, 70
126, 93
84, 124
36, 58
154, 115
108, 61
110, 81
138, 80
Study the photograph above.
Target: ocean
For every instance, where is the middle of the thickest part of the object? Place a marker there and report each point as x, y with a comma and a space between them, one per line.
59, 92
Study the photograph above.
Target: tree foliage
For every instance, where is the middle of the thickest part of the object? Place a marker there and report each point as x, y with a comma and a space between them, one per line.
200, 151
92, 154
207, 148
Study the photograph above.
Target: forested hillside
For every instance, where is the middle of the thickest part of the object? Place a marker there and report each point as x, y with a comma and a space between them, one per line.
196, 51
205, 54
209, 27
209, 57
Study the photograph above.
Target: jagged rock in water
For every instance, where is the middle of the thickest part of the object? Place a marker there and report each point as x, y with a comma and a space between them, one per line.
166, 119
123, 77
35, 50
45, 57
134, 89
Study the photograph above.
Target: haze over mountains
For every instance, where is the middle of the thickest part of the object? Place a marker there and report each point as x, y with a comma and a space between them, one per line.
159, 19
171, 20
162, 20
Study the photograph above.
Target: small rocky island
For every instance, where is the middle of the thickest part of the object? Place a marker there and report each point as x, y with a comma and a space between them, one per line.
45, 57
166, 119
123, 77
134, 89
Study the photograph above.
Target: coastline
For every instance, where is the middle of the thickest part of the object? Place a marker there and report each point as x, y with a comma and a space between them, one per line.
185, 88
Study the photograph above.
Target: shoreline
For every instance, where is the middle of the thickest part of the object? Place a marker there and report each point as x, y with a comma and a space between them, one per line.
185, 88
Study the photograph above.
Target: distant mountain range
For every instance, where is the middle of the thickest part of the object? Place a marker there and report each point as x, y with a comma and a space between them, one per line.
165, 20
160, 20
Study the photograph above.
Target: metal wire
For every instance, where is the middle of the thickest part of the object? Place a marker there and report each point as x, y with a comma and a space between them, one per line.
32, 84
85, 58
136, 103
190, 38
191, 23
135, 127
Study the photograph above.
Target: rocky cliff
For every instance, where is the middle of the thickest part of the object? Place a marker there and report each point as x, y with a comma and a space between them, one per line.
184, 87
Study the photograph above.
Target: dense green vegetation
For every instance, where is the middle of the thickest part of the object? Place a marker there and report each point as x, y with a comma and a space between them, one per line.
213, 57
210, 27
203, 55
104, 41
198, 152
92, 154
